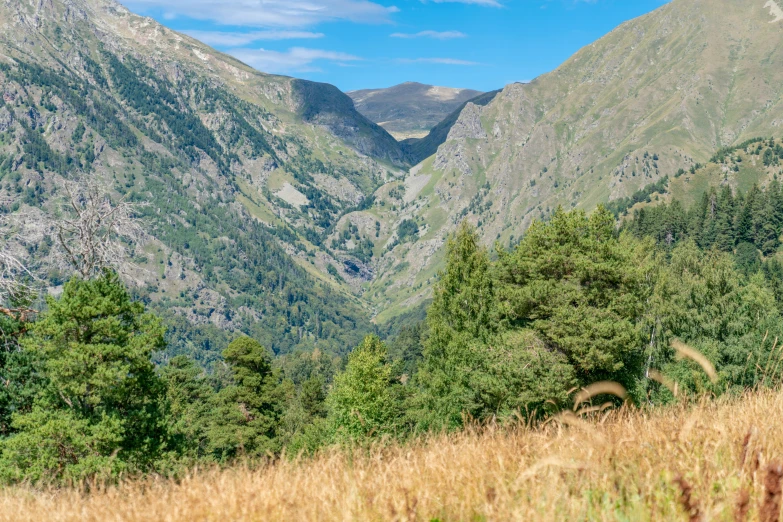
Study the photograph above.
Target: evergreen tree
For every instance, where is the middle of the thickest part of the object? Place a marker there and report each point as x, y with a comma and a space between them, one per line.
703, 301
366, 398
709, 230
188, 399
767, 225
462, 319
100, 411
246, 414
583, 290
746, 219
20, 374
725, 235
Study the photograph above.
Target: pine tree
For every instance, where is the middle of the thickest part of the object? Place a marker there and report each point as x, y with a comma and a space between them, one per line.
767, 228
582, 289
746, 220
188, 399
725, 236
709, 230
462, 319
246, 414
100, 411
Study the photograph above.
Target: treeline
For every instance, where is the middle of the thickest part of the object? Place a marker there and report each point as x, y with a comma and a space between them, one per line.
576, 302
722, 220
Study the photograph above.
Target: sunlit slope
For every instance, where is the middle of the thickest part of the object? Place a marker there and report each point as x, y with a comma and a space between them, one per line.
245, 173
659, 93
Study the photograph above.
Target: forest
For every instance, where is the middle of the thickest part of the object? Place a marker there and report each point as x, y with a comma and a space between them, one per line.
509, 337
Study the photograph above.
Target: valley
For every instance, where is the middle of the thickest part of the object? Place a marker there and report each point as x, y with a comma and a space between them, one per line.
232, 294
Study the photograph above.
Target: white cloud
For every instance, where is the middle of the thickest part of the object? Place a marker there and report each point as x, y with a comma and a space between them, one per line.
489, 3
444, 35
226, 39
270, 13
444, 61
296, 59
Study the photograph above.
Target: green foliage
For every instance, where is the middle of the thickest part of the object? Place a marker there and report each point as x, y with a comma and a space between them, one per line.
407, 229
365, 400
189, 396
407, 347
621, 205
582, 289
99, 411
722, 154
246, 413
20, 373
721, 220
701, 299
463, 317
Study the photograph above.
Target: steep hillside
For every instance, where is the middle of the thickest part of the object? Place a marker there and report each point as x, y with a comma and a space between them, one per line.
420, 149
410, 109
757, 161
659, 93
245, 173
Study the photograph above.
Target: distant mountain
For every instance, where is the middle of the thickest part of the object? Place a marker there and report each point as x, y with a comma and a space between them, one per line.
410, 109
419, 149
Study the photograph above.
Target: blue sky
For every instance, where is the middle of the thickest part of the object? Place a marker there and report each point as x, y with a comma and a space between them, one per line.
356, 44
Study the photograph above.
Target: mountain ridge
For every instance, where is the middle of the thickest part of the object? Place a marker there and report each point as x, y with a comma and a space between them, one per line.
244, 173
659, 93
410, 108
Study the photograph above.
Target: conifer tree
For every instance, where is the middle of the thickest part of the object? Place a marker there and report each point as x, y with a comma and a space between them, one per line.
365, 398
100, 411
246, 414
462, 319
188, 399
582, 289
725, 234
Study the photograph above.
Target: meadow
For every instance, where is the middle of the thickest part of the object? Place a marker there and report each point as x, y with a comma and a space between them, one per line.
707, 460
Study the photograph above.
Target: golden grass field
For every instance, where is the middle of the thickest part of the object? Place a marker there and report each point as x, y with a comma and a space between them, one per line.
717, 458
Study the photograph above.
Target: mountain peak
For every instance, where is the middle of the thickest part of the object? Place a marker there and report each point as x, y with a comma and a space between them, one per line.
410, 109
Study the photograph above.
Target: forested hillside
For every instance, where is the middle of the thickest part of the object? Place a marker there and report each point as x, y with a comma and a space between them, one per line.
240, 176
673, 305
575, 303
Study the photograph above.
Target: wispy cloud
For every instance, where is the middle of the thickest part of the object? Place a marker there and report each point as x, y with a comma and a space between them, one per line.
444, 61
296, 59
488, 3
270, 13
443, 35
228, 39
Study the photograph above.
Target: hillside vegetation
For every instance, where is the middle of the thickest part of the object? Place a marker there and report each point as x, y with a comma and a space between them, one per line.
575, 303
244, 175
658, 94
700, 461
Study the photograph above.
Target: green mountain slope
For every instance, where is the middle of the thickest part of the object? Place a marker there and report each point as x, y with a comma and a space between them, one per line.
410, 108
420, 149
659, 93
244, 173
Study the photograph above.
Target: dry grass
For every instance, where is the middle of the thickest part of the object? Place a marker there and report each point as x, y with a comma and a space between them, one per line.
718, 461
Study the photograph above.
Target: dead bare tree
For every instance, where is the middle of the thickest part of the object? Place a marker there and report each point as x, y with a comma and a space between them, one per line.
95, 233
15, 274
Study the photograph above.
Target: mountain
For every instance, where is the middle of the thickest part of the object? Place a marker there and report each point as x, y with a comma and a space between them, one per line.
275, 208
244, 174
410, 109
420, 149
659, 93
